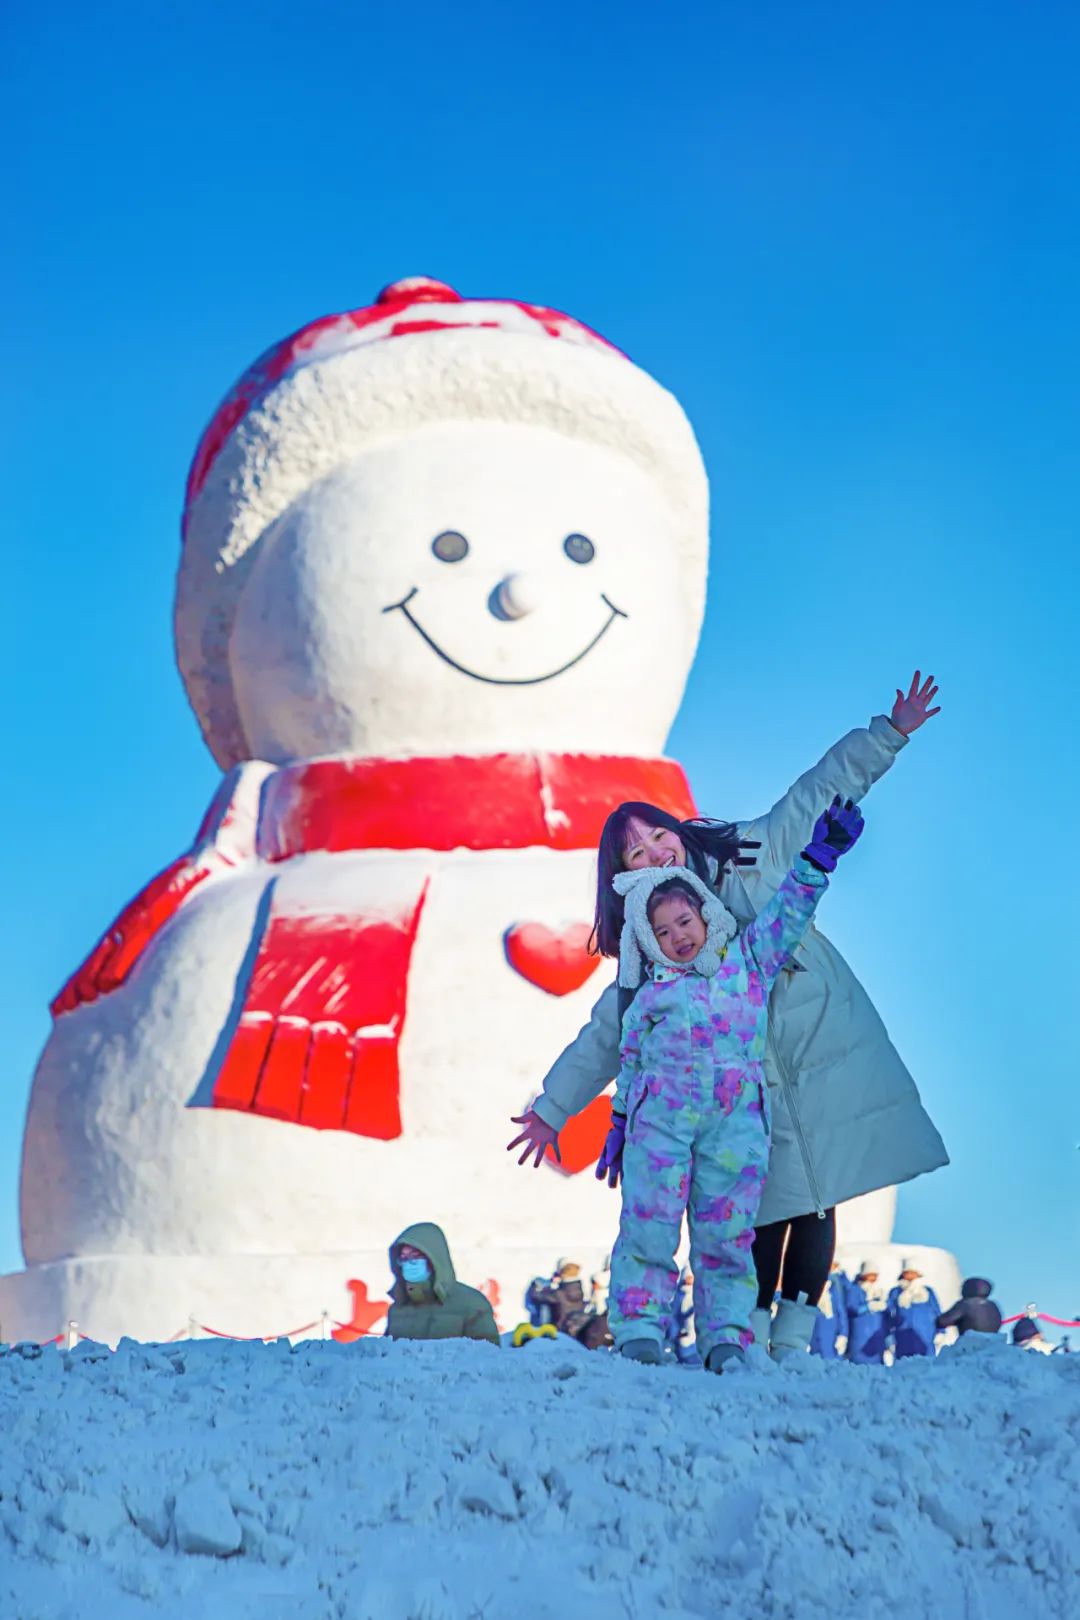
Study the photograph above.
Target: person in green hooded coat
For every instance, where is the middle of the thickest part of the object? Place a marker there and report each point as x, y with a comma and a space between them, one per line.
428, 1300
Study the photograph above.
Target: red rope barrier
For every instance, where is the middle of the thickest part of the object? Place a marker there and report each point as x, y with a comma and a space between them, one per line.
255, 1338
239, 1338
1039, 1316
217, 1333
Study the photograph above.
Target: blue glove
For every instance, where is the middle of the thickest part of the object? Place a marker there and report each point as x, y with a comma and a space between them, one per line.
834, 833
610, 1162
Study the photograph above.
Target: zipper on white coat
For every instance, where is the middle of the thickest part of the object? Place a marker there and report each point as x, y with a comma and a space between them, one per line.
800, 1135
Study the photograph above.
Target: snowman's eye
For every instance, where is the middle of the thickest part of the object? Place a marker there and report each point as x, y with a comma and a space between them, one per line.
450, 546
579, 548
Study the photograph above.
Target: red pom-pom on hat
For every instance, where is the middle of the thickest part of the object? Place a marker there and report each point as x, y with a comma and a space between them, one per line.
419, 290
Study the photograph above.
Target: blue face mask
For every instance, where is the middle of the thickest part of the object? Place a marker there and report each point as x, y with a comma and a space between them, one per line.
416, 1271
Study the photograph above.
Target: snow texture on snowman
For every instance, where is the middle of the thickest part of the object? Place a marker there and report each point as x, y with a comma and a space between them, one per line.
425, 544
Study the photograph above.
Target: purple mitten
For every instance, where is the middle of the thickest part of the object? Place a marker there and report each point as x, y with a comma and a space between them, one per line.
610, 1161
834, 833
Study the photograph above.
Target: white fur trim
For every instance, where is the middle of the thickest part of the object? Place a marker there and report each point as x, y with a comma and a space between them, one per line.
914, 1293
322, 414
637, 942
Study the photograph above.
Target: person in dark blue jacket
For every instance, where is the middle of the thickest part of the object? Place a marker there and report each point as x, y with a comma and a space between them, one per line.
913, 1311
829, 1338
974, 1311
1028, 1335
868, 1319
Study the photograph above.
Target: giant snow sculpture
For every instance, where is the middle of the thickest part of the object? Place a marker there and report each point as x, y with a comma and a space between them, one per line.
442, 581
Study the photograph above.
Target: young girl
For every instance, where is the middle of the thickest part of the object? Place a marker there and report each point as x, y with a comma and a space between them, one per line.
691, 1126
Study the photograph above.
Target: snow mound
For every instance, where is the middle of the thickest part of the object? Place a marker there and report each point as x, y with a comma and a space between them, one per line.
455, 1481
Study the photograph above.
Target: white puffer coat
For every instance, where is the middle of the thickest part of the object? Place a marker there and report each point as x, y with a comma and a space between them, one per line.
847, 1118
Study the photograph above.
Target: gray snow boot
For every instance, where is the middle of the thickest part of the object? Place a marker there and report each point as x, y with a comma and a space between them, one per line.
642, 1350
761, 1326
791, 1329
722, 1355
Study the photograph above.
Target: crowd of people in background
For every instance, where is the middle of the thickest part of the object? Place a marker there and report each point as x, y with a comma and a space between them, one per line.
560, 1301
867, 1322
861, 1318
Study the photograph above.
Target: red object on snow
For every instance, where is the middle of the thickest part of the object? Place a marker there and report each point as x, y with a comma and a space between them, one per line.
366, 1314
120, 947
582, 1138
555, 961
318, 1036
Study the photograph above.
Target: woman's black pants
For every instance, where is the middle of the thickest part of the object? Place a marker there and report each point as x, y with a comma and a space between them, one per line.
802, 1267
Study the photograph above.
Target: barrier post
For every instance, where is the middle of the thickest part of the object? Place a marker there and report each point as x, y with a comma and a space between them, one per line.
192, 1328
71, 1336
324, 1321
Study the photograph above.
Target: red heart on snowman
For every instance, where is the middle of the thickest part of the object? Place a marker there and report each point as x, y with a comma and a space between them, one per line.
555, 960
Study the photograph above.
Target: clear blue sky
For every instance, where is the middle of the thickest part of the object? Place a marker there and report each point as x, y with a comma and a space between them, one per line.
845, 236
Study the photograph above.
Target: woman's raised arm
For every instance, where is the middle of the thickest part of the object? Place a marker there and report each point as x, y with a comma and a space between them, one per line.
850, 768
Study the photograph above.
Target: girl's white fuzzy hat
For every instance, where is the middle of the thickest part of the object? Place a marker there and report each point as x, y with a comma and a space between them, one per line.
420, 354
638, 943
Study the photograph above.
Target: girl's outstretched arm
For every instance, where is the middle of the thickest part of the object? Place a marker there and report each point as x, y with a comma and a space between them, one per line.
780, 925
850, 768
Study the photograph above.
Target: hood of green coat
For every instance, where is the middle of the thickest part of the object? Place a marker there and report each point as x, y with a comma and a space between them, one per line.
429, 1239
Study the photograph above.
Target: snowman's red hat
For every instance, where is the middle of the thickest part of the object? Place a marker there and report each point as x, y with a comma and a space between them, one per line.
315, 400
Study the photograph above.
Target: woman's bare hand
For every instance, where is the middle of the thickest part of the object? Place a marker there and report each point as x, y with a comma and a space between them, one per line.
537, 1135
911, 712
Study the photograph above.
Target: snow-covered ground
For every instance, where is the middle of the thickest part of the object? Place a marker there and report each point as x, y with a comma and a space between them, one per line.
458, 1482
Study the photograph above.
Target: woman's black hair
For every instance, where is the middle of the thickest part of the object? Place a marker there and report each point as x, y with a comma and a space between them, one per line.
703, 839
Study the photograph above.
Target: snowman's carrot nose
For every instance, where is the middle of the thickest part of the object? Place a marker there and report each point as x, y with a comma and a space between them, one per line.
514, 596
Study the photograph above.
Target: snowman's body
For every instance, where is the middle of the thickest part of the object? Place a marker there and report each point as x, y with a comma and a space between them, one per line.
419, 539
140, 1209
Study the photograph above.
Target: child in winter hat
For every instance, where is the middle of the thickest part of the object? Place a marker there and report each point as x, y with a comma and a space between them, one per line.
691, 1123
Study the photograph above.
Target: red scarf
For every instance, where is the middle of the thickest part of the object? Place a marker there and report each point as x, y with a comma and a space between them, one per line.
497, 801
316, 1024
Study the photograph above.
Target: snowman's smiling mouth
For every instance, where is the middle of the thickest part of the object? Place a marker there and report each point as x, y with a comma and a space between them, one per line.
504, 680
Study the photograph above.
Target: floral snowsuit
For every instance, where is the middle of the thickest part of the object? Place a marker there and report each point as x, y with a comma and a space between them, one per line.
692, 1085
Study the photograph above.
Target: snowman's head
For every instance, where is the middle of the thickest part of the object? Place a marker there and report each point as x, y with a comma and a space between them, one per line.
487, 534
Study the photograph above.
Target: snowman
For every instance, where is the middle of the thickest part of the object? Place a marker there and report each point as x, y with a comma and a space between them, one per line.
442, 581
430, 548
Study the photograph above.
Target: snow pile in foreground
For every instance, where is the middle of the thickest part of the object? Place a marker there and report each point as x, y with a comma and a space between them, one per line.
458, 1482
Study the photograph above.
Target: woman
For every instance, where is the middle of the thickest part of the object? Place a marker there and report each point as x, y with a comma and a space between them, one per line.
847, 1118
